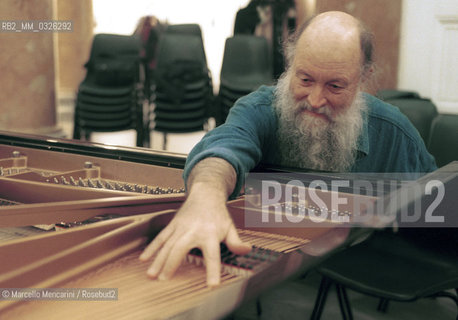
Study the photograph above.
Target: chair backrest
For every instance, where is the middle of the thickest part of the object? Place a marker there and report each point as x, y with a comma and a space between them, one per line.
246, 63
114, 60
443, 140
189, 28
180, 64
175, 48
420, 112
388, 94
105, 44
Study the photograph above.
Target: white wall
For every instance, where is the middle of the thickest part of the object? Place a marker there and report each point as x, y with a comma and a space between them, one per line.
428, 60
429, 51
215, 17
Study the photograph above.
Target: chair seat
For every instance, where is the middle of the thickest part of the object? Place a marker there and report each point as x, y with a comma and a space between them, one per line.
112, 125
179, 116
387, 266
184, 106
104, 116
105, 91
105, 100
200, 93
109, 108
190, 125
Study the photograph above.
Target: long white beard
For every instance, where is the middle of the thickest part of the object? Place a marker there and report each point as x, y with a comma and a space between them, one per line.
313, 142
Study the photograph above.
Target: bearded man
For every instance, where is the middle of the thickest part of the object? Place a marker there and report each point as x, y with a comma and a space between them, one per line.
316, 117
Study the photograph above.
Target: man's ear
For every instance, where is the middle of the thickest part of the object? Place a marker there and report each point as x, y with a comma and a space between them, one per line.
368, 74
369, 79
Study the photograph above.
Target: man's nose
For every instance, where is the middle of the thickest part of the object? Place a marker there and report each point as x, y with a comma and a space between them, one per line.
316, 98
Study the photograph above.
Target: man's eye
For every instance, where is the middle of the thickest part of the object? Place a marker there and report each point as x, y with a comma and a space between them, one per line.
335, 88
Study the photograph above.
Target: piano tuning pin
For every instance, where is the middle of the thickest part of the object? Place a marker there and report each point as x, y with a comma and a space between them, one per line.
99, 184
72, 180
63, 180
145, 189
81, 182
90, 183
55, 180
109, 186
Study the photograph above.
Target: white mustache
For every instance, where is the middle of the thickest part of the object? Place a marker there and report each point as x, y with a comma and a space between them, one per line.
324, 110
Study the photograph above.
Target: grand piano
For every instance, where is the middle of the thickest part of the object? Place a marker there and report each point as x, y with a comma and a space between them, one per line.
76, 215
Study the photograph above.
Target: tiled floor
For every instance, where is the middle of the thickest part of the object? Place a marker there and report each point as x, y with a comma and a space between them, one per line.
294, 299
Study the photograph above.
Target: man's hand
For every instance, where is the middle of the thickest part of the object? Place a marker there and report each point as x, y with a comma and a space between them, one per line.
203, 222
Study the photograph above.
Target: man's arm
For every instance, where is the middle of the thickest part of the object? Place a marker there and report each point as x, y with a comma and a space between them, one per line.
203, 221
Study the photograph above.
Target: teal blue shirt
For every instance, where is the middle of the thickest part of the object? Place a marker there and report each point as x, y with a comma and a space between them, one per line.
388, 141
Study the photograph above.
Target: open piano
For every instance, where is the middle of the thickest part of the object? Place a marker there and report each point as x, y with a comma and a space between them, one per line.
106, 204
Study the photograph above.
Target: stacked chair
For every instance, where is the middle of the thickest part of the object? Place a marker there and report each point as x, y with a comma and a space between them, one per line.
183, 90
246, 66
110, 97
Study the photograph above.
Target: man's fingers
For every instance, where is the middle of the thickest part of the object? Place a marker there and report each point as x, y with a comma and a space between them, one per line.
175, 257
212, 258
156, 244
160, 259
235, 244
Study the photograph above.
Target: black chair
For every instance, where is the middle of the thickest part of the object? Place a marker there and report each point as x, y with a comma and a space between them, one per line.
443, 140
388, 94
109, 97
420, 112
246, 66
187, 28
183, 91
388, 266
418, 261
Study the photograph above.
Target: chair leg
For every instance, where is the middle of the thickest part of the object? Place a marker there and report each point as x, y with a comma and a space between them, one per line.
344, 303
164, 145
321, 298
258, 307
383, 305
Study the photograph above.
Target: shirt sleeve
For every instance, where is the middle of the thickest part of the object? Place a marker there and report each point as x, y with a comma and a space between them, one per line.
241, 141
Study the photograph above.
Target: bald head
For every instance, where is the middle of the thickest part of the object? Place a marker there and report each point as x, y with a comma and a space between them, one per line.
336, 33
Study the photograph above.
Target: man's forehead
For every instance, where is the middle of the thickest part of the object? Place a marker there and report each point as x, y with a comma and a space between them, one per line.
334, 36
328, 52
